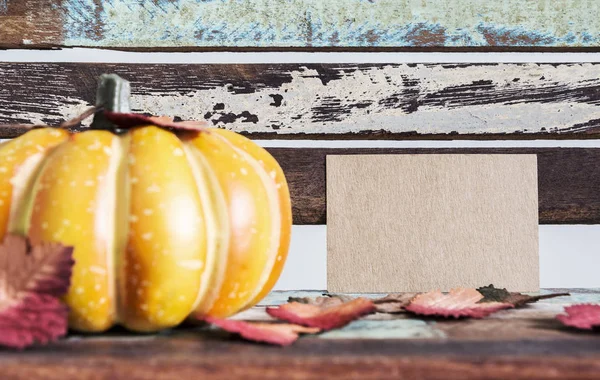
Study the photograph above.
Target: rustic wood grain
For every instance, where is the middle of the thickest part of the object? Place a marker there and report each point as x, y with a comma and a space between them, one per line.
513, 344
568, 179
313, 24
383, 101
193, 357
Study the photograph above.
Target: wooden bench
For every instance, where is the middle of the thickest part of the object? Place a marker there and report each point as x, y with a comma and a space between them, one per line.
516, 102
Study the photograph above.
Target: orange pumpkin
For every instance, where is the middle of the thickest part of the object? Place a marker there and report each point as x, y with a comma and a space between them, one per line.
165, 225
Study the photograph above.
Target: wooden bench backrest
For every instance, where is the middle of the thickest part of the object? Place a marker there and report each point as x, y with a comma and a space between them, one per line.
393, 101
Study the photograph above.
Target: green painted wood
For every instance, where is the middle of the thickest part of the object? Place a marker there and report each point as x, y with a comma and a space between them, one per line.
276, 24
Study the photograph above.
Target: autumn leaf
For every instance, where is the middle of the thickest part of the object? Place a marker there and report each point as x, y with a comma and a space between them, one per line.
390, 304
130, 120
394, 303
32, 279
323, 317
492, 294
282, 334
459, 303
581, 316
324, 301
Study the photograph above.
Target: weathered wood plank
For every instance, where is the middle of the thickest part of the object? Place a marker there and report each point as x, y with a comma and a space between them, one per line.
192, 357
518, 344
568, 180
394, 101
346, 24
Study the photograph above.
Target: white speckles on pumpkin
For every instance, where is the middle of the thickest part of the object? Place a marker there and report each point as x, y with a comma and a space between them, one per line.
79, 290
144, 307
139, 291
73, 183
278, 186
44, 225
137, 267
95, 145
191, 264
55, 133
181, 298
102, 301
273, 174
107, 150
244, 171
279, 258
97, 287
133, 218
3, 169
178, 151
160, 313
98, 270
89, 183
148, 211
66, 222
134, 180
154, 188
147, 236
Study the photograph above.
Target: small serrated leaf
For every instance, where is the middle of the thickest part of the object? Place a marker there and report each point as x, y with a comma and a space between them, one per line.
282, 334
493, 294
459, 303
32, 279
581, 316
323, 317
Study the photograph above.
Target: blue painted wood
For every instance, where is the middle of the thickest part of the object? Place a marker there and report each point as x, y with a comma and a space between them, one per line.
311, 23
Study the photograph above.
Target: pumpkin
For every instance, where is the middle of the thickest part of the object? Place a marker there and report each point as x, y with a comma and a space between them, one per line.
165, 225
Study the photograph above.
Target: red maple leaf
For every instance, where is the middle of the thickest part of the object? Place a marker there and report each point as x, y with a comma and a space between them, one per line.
325, 318
32, 278
130, 120
458, 303
581, 316
282, 334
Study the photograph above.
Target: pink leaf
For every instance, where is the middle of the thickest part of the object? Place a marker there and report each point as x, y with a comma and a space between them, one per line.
32, 279
325, 318
458, 303
281, 334
581, 316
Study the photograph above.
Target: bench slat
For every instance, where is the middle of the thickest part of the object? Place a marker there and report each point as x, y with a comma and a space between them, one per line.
302, 24
328, 101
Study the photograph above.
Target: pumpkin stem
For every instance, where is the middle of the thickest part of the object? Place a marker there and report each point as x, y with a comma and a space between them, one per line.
112, 95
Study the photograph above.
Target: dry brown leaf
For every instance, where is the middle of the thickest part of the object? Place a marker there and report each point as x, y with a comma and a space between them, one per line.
459, 303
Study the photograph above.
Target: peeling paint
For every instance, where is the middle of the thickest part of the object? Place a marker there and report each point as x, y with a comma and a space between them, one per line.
317, 23
464, 99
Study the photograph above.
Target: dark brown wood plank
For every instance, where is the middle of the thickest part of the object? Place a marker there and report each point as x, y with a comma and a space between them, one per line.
382, 101
192, 356
568, 179
281, 24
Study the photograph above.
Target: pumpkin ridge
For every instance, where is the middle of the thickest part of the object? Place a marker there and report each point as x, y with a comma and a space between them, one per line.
215, 211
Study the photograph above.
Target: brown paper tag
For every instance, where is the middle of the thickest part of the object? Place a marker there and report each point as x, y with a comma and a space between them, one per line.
406, 223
